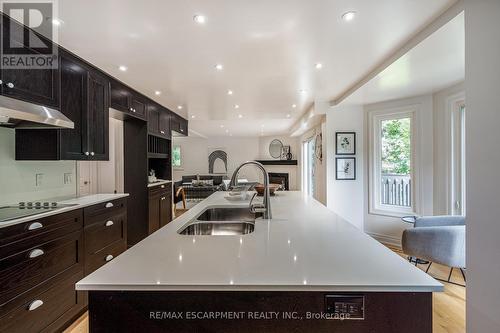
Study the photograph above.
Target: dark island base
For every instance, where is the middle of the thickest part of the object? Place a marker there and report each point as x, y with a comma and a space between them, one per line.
251, 312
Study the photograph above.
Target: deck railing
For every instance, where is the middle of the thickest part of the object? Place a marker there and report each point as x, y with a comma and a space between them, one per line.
396, 190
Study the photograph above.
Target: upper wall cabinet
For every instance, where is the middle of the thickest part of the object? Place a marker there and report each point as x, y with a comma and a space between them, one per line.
158, 120
84, 101
39, 86
126, 100
178, 125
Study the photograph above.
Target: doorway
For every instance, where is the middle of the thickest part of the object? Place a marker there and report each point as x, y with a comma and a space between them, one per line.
308, 167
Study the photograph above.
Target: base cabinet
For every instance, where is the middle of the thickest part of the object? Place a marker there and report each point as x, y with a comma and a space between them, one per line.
160, 207
41, 261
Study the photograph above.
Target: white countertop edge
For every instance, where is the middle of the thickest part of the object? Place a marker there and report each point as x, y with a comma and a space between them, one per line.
158, 183
348, 288
80, 202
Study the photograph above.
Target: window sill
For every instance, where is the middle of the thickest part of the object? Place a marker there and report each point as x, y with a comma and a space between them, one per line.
392, 213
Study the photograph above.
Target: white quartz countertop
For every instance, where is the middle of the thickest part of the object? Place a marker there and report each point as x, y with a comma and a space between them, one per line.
76, 203
304, 247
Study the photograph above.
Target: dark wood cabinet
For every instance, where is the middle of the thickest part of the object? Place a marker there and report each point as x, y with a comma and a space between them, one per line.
178, 125
158, 120
85, 102
40, 85
160, 207
41, 260
126, 100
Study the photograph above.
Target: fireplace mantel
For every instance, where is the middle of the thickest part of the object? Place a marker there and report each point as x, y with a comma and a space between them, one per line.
277, 162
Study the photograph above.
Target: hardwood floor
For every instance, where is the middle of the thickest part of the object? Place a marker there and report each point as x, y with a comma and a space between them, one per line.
448, 307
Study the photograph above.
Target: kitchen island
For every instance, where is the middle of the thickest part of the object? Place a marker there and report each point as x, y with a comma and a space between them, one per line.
307, 269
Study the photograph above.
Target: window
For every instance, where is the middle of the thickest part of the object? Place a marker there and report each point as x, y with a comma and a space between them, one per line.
457, 204
392, 163
308, 167
176, 157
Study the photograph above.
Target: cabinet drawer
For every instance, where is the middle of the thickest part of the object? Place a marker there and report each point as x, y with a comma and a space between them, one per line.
105, 232
108, 207
18, 237
57, 304
101, 257
41, 263
160, 189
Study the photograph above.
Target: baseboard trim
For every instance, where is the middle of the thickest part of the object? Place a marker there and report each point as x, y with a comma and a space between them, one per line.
386, 239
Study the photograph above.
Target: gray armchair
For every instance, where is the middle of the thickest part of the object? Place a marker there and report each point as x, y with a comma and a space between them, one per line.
439, 239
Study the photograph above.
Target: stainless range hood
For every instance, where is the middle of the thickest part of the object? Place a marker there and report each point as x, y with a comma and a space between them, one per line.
19, 114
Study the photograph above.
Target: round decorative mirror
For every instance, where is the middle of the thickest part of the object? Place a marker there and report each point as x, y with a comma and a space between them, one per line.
275, 148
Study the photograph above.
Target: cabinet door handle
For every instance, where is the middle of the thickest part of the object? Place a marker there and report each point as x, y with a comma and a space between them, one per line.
162, 132
109, 205
87, 153
36, 253
92, 154
163, 198
35, 305
34, 226
1, 82
109, 223
10, 85
109, 257
163, 186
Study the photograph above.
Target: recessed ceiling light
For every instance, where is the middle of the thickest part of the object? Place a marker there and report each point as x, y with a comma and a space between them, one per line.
123, 68
157, 92
200, 19
348, 16
227, 131
219, 67
221, 126
236, 106
262, 125
240, 116
318, 65
193, 116
294, 106
57, 22
179, 107
229, 92
230, 134
288, 116
302, 91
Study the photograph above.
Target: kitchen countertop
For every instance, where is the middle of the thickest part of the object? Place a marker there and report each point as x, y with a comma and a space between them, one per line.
305, 247
79, 202
159, 182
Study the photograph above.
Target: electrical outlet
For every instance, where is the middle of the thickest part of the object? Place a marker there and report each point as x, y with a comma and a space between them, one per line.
68, 178
38, 179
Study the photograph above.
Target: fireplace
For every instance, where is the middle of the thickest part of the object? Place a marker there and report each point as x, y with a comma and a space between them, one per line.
279, 178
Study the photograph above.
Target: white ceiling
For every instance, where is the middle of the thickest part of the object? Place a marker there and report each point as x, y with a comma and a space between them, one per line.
268, 49
436, 63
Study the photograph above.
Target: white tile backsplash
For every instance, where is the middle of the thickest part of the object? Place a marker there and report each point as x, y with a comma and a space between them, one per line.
18, 179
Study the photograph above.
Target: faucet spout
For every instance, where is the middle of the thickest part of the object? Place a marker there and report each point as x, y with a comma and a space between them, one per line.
267, 202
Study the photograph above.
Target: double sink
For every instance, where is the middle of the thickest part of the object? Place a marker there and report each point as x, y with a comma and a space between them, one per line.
222, 221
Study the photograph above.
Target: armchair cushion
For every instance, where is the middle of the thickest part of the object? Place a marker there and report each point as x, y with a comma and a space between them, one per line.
434, 221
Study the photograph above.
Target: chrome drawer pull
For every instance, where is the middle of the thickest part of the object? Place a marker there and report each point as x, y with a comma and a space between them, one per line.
109, 257
36, 253
162, 198
34, 226
163, 186
109, 205
10, 85
35, 305
109, 223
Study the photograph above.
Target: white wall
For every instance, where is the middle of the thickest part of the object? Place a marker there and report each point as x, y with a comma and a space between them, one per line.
239, 149
17, 178
195, 151
320, 185
482, 50
442, 147
386, 228
345, 197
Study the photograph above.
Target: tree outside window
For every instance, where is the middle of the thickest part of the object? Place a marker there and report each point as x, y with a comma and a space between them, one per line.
176, 157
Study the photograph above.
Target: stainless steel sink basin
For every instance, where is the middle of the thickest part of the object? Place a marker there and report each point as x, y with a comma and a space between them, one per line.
227, 214
218, 228
218, 221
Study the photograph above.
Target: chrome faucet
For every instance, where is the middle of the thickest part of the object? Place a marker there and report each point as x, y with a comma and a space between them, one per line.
264, 208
